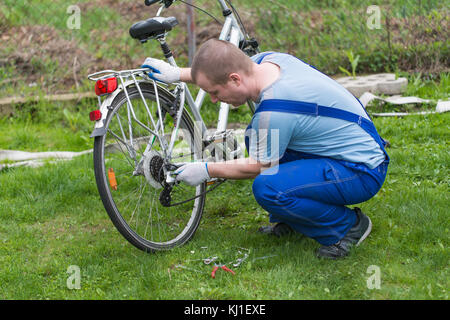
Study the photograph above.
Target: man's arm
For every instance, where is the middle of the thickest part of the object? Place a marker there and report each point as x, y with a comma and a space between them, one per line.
194, 173
185, 75
246, 168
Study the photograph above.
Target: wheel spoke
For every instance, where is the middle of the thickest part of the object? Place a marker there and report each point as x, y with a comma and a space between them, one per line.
141, 218
141, 187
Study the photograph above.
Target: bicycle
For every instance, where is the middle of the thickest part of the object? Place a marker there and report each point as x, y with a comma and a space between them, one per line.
145, 129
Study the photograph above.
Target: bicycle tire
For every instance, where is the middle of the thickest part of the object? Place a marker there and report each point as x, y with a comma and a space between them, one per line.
119, 212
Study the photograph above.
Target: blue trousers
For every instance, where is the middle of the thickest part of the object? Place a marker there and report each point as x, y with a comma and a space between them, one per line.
311, 194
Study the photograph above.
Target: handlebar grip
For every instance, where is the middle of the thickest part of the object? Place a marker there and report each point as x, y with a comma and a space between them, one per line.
150, 2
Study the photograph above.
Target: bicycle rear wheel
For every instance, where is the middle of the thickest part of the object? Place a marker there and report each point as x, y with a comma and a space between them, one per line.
128, 165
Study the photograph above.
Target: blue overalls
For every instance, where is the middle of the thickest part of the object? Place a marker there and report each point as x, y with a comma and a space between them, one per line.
310, 192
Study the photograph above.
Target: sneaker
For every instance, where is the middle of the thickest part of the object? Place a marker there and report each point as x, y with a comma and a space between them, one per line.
280, 229
354, 237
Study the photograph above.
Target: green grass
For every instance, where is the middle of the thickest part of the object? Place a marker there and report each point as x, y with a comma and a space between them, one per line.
43, 126
52, 217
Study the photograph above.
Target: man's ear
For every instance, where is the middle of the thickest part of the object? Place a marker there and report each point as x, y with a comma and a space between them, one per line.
235, 78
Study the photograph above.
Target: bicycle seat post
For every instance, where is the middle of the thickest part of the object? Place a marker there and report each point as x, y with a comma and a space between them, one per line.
166, 50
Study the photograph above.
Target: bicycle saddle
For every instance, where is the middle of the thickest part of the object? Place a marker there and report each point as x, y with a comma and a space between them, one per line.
152, 28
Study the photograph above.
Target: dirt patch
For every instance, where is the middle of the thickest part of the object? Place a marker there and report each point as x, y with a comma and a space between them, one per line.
42, 57
41, 47
128, 11
206, 28
133, 12
422, 36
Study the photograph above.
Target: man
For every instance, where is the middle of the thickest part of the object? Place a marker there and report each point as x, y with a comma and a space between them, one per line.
312, 147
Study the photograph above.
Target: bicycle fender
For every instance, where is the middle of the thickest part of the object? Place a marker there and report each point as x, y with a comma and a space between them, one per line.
99, 127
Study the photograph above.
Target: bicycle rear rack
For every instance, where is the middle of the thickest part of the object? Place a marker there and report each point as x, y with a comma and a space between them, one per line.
129, 77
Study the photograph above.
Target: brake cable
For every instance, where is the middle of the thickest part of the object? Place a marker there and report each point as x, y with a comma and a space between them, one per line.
204, 11
238, 18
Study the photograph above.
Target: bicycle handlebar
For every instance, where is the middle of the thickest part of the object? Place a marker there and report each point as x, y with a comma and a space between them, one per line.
150, 2
167, 3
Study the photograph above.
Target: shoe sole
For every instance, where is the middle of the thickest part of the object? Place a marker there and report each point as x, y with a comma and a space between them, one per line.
366, 234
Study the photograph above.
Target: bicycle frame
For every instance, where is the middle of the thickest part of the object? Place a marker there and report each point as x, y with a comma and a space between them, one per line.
126, 131
231, 32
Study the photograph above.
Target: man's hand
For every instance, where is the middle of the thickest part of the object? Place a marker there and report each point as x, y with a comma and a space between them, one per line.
161, 70
193, 173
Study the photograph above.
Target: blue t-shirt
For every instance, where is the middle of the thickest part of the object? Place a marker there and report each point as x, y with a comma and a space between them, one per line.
274, 132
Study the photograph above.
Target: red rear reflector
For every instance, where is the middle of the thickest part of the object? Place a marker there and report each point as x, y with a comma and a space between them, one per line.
95, 115
105, 86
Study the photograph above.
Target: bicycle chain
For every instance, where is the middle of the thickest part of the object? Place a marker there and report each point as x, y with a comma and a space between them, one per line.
165, 197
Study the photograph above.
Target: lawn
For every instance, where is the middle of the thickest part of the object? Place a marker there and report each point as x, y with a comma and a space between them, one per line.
52, 218
52, 221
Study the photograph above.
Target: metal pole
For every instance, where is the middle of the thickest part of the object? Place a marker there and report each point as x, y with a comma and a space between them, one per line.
191, 31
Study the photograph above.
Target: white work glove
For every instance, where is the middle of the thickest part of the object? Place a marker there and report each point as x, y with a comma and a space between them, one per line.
161, 70
193, 173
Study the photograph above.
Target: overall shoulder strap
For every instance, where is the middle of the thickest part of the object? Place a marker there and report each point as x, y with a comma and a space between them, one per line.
313, 109
263, 55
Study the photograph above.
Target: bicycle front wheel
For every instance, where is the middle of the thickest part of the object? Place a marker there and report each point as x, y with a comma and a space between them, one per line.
128, 165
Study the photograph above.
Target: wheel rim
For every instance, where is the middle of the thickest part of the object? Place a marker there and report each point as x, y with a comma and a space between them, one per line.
134, 201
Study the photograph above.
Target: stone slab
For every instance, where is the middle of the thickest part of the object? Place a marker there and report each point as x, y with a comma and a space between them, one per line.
381, 83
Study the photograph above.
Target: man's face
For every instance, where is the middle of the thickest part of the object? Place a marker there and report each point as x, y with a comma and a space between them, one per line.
233, 92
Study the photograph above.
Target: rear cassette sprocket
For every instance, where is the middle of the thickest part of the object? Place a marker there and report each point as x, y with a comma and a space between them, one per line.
153, 169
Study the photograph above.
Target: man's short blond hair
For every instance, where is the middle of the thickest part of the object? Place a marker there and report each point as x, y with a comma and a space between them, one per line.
217, 59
